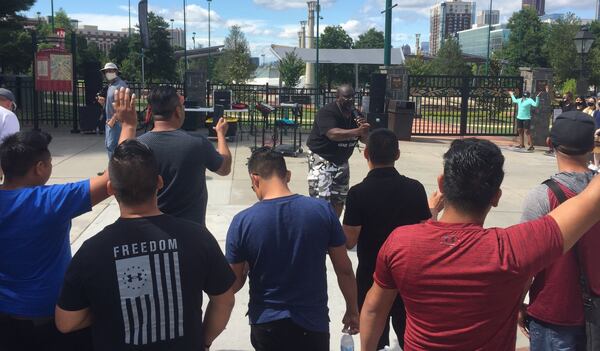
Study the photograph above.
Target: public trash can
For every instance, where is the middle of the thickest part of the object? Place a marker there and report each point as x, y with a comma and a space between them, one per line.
400, 118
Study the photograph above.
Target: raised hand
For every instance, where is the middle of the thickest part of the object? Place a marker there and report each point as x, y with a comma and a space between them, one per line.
222, 126
124, 106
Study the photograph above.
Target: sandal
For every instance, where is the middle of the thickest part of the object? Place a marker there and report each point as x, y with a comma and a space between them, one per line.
531, 148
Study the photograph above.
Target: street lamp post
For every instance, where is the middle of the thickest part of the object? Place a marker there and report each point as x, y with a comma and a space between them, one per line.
172, 31
487, 61
317, 80
129, 13
185, 40
52, 17
583, 43
209, 48
194, 39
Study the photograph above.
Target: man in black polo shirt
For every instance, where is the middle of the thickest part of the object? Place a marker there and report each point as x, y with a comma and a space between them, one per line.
383, 201
334, 135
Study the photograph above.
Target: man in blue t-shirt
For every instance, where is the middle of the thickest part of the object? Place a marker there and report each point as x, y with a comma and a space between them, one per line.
283, 241
35, 221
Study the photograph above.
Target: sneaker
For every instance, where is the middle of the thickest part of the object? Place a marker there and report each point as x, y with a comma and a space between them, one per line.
100, 173
520, 147
530, 148
549, 153
592, 167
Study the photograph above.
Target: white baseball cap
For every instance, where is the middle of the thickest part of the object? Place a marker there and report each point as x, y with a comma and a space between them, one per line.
110, 65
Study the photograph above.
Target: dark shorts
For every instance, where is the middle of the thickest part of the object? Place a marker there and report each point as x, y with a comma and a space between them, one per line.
327, 180
284, 334
523, 123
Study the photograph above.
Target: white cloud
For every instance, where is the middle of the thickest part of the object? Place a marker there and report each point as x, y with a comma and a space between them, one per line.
289, 4
250, 27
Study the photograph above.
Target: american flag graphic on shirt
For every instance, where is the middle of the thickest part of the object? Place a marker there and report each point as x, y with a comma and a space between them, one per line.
151, 303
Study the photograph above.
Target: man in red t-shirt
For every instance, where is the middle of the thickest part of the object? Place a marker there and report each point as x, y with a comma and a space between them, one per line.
462, 285
556, 306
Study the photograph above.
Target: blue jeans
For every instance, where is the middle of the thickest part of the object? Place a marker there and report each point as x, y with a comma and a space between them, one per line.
549, 337
111, 138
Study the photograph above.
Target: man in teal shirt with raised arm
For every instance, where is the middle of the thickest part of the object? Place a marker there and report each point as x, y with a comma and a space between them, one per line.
524, 117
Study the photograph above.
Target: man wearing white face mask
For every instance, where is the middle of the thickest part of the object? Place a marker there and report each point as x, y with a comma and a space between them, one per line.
113, 127
9, 124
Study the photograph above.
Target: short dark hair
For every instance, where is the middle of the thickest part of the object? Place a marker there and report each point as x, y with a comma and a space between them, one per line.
164, 101
267, 162
133, 172
472, 174
382, 146
22, 151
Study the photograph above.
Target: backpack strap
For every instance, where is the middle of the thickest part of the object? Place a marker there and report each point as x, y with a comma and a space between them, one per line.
556, 189
561, 197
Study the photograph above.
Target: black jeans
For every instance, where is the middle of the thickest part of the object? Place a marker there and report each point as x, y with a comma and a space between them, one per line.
284, 334
364, 281
40, 335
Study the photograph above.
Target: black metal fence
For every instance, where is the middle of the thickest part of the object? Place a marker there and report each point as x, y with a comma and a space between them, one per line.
447, 105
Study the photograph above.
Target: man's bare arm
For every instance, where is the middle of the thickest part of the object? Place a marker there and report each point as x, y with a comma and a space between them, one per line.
124, 105
70, 321
347, 283
352, 234
241, 272
374, 315
222, 147
218, 312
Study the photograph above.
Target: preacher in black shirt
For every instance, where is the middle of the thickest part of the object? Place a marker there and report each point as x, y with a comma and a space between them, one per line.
139, 282
331, 142
383, 201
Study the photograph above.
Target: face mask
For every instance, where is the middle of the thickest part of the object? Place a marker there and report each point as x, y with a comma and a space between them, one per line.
110, 76
579, 103
13, 106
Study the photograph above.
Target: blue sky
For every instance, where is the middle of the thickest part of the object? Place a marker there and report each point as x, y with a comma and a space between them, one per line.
267, 22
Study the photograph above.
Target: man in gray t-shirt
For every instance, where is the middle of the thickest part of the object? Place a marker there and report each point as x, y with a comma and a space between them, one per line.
113, 127
183, 158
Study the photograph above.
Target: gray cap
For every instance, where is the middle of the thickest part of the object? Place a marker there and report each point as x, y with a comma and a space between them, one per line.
5, 93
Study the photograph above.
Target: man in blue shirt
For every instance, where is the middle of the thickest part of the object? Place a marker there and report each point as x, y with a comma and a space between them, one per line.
35, 221
283, 241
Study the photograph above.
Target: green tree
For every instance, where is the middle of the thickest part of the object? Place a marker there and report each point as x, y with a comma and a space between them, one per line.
559, 47
450, 61
159, 58
371, 39
417, 66
526, 41
291, 68
15, 43
593, 63
335, 37
234, 65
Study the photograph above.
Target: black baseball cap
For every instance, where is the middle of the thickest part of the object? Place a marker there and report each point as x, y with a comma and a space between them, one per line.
573, 132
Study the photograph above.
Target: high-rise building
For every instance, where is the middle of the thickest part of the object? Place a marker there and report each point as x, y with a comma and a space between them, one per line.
538, 5
425, 48
484, 18
447, 18
176, 37
406, 50
597, 18
474, 41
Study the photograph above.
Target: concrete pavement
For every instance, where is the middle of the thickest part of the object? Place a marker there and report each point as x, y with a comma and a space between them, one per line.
76, 157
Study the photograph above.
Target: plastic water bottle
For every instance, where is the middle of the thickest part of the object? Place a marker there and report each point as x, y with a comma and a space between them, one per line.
347, 343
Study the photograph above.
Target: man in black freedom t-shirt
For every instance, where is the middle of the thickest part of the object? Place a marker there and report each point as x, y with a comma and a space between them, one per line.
331, 142
139, 282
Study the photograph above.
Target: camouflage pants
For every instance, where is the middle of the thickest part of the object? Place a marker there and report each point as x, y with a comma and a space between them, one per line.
327, 180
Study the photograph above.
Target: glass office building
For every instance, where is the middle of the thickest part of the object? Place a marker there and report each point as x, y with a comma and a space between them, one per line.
475, 41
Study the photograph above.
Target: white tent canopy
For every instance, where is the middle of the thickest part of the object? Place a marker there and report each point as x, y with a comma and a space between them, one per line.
352, 56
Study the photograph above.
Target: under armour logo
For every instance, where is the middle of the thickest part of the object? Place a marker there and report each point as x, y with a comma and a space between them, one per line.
449, 240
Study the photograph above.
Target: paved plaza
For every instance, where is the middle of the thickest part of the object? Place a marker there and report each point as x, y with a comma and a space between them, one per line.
77, 157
